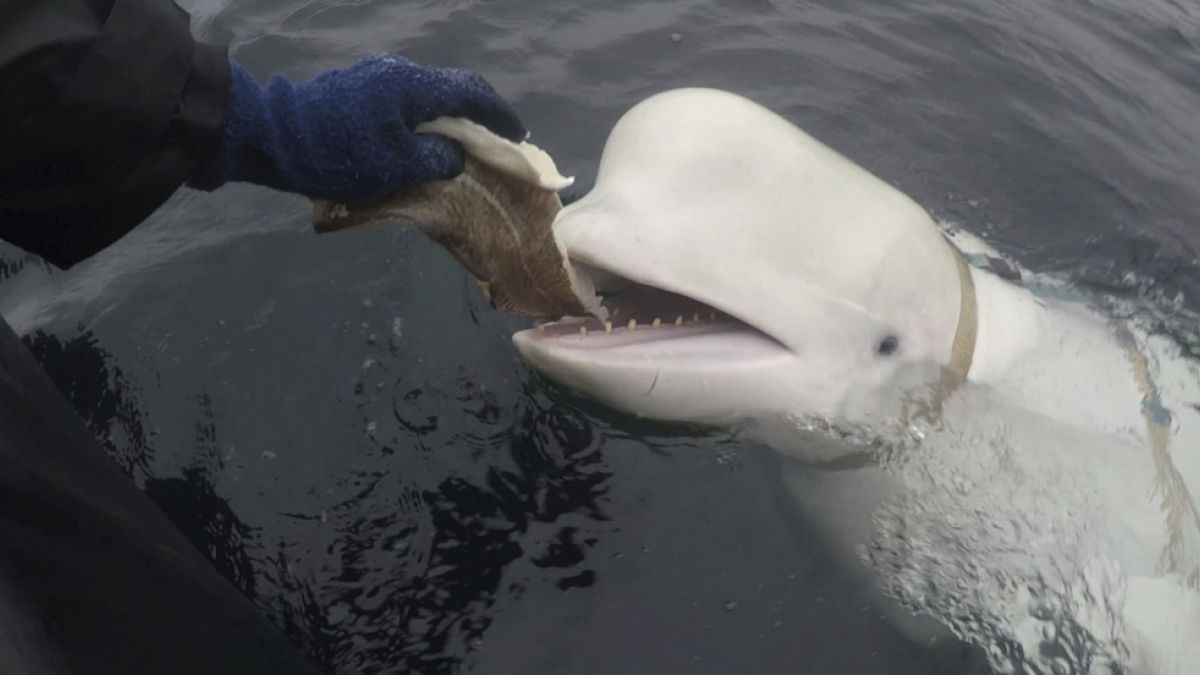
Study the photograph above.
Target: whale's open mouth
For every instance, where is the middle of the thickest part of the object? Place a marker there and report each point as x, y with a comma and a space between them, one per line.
647, 321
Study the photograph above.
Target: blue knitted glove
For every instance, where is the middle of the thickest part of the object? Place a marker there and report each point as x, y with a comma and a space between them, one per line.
348, 134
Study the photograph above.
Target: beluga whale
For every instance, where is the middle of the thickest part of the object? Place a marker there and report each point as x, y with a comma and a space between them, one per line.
1001, 459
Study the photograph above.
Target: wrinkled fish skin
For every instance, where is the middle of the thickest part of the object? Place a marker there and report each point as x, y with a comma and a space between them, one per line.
497, 226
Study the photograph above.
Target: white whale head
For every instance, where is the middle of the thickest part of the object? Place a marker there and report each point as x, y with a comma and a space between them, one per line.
839, 294
827, 284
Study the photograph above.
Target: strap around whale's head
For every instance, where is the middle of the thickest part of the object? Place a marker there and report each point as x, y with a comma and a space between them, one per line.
962, 350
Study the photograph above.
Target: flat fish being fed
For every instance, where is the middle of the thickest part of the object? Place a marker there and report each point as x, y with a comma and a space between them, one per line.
496, 219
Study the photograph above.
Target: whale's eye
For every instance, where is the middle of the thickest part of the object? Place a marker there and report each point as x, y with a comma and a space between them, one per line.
888, 345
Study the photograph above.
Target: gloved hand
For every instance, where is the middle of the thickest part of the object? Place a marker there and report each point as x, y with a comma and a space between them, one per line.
348, 134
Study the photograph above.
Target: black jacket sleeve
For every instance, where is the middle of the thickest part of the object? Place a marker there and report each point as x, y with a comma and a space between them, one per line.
105, 108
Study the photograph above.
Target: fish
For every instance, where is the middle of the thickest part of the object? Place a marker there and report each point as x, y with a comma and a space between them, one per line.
496, 219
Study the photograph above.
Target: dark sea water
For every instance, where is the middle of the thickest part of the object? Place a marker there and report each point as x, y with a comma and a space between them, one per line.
341, 424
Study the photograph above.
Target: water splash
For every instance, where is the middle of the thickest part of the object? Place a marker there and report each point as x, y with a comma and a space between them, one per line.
1005, 546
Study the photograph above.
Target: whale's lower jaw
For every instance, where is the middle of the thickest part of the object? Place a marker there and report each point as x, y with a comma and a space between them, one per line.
693, 345
657, 353
684, 373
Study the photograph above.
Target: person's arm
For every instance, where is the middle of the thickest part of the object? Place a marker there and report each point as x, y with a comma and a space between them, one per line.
108, 106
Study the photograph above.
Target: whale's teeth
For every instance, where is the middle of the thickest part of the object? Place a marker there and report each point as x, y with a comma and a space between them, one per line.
712, 316
541, 328
695, 318
583, 330
679, 321
633, 324
656, 323
607, 326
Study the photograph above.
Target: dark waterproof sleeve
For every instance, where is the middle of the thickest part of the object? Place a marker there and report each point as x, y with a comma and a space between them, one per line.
105, 108
94, 580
